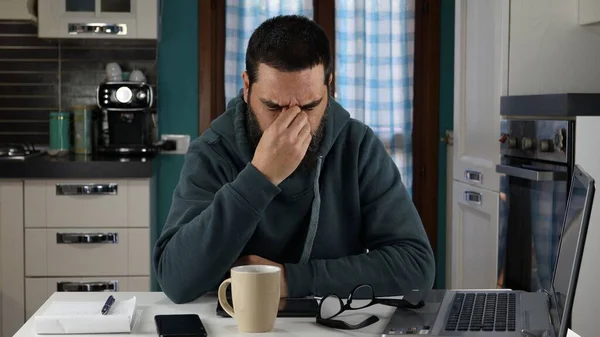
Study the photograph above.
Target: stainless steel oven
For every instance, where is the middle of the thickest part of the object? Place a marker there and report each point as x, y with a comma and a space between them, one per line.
537, 159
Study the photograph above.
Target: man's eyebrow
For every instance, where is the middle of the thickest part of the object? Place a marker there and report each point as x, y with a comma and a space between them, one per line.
312, 104
274, 105
270, 103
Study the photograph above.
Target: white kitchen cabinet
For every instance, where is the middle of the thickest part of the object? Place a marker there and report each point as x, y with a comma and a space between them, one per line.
474, 247
90, 233
12, 265
124, 19
97, 229
589, 12
480, 78
16, 9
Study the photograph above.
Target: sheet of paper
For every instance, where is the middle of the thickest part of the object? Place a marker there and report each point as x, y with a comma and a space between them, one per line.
571, 333
86, 317
90, 308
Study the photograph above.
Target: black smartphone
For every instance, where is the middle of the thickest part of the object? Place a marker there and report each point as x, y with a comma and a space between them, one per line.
179, 325
288, 307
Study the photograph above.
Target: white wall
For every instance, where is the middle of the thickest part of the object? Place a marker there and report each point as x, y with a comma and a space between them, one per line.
551, 53
586, 311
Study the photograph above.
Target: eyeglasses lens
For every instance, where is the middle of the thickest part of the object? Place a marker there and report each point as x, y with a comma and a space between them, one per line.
330, 307
362, 297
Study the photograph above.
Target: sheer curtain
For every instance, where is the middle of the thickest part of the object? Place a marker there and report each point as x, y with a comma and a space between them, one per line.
242, 17
374, 71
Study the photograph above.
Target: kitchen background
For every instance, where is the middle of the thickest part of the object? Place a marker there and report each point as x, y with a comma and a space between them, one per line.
560, 60
40, 75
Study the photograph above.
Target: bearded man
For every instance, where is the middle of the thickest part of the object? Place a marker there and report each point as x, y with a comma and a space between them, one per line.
286, 177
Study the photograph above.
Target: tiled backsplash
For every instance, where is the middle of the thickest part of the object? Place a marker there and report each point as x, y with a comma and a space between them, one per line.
38, 76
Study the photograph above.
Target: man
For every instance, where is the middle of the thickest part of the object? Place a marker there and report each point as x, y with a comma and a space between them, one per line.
285, 177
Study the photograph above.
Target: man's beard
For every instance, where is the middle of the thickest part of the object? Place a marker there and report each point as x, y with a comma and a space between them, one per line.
254, 133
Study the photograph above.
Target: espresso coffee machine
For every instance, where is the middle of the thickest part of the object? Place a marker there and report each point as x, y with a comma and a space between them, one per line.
127, 107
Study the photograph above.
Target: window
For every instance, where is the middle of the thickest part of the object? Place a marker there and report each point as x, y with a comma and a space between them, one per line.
374, 61
410, 84
241, 18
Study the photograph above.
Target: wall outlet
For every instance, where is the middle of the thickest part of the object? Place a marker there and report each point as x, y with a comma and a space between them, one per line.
182, 143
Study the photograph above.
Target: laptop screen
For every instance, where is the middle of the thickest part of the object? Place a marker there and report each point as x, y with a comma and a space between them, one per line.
577, 209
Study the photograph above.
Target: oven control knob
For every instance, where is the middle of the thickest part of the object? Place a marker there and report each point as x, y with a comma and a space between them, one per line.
512, 143
526, 143
547, 145
560, 139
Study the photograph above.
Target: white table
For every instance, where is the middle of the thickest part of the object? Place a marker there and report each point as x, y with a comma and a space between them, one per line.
153, 303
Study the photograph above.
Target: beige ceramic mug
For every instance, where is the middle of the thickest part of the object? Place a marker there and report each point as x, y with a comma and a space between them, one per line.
255, 290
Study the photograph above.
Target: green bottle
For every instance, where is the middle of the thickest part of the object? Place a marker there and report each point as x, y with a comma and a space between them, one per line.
60, 133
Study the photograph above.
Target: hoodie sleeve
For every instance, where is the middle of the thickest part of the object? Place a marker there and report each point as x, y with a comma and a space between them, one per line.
399, 256
212, 217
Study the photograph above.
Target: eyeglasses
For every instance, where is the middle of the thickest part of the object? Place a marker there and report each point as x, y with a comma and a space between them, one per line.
361, 297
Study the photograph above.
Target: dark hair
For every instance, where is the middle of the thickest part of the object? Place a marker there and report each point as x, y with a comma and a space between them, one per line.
288, 43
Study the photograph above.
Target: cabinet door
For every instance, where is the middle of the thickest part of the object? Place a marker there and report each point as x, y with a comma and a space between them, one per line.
480, 78
589, 12
12, 295
474, 238
16, 9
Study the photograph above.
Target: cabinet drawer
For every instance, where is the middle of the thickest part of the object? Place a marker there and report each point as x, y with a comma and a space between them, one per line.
474, 237
87, 203
38, 290
89, 251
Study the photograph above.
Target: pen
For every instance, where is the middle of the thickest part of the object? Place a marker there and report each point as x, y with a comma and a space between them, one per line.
109, 302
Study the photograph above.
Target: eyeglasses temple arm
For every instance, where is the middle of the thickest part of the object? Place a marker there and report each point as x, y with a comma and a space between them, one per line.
400, 303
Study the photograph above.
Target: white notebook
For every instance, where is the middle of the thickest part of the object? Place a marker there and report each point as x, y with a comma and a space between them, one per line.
86, 317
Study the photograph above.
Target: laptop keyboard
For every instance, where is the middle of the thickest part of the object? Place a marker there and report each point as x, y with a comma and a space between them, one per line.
482, 312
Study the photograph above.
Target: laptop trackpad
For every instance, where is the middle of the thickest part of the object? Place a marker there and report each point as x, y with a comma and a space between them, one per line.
535, 312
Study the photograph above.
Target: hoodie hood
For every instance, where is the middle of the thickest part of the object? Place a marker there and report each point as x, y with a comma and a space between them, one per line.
231, 127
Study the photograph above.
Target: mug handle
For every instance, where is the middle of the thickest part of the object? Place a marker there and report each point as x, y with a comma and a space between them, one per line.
223, 297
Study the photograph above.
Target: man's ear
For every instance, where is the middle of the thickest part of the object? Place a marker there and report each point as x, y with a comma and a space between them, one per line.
330, 79
246, 85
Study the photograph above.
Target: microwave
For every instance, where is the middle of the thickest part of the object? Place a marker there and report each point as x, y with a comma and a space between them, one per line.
106, 19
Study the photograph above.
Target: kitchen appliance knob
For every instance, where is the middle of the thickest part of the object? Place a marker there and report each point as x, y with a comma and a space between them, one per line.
512, 143
140, 95
547, 145
124, 95
560, 139
526, 143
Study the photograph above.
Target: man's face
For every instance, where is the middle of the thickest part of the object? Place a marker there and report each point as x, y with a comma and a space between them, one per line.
275, 90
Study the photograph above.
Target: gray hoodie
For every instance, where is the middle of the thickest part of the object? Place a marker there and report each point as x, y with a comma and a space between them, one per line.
350, 221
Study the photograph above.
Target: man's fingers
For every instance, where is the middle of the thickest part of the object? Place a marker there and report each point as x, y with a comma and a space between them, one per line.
306, 140
304, 132
287, 116
299, 123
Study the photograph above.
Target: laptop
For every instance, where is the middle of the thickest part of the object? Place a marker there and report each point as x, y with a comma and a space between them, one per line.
507, 313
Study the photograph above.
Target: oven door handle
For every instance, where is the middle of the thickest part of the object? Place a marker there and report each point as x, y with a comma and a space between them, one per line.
532, 175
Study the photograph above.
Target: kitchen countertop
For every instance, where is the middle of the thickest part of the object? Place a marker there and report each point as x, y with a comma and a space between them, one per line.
75, 167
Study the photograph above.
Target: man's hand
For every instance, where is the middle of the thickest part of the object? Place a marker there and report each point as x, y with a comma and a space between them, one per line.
283, 145
255, 259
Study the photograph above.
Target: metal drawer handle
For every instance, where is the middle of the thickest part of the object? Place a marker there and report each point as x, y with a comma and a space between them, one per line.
529, 174
87, 286
97, 28
473, 176
87, 238
87, 189
473, 197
